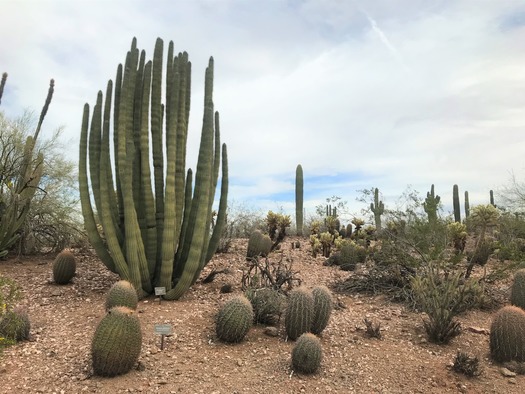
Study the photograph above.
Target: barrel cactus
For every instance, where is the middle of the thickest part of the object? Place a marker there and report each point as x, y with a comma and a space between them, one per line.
307, 354
122, 293
234, 320
117, 342
507, 335
322, 308
259, 244
15, 325
267, 304
299, 312
517, 295
64, 267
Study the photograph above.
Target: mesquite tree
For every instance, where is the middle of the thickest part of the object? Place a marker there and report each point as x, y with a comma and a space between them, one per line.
153, 224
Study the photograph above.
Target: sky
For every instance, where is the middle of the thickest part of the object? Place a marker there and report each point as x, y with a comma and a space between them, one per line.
362, 94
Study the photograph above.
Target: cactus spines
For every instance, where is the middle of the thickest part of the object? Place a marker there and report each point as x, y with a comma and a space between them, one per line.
15, 325
467, 205
322, 309
259, 244
378, 208
507, 335
431, 205
455, 203
122, 293
299, 190
307, 354
117, 342
234, 320
64, 267
299, 312
517, 294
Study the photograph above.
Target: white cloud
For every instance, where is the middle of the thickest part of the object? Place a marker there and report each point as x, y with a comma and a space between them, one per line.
400, 93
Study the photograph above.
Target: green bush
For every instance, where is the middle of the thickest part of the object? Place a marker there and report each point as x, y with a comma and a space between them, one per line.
442, 296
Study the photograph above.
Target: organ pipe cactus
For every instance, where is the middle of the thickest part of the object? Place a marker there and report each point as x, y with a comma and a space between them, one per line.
299, 186
377, 208
431, 205
22, 189
154, 215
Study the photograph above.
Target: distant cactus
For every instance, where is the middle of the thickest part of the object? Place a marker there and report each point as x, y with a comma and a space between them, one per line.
492, 198
259, 244
322, 309
299, 312
64, 267
431, 205
307, 354
467, 205
455, 203
117, 342
299, 186
234, 320
15, 325
517, 295
507, 335
377, 208
122, 293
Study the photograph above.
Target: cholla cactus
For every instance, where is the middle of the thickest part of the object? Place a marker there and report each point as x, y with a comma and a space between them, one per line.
315, 244
458, 235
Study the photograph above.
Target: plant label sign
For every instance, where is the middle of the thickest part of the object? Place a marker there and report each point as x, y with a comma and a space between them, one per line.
160, 291
163, 329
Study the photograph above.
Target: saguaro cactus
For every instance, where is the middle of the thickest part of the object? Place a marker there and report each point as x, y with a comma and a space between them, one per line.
492, 198
431, 205
378, 208
467, 205
455, 203
299, 185
13, 211
157, 231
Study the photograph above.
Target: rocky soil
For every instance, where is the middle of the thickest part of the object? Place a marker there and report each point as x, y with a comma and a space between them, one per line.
56, 359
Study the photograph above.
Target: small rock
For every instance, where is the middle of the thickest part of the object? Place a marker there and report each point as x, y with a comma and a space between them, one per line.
505, 372
513, 381
479, 330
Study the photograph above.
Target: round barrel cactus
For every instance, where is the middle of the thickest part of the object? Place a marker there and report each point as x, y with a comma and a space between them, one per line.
234, 320
517, 295
267, 304
122, 293
117, 342
507, 335
299, 312
64, 267
322, 308
307, 354
15, 325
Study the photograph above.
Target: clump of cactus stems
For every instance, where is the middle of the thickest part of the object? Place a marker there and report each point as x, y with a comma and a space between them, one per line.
307, 354
322, 309
64, 267
517, 294
259, 244
122, 293
358, 223
507, 335
16, 201
431, 205
299, 312
15, 325
458, 235
299, 195
455, 203
234, 320
117, 342
157, 223
277, 224
378, 208
315, 244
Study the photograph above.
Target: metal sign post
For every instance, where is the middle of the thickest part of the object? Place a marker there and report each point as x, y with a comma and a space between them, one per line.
163, 330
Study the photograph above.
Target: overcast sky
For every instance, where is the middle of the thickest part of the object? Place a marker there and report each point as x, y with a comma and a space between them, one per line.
376, 93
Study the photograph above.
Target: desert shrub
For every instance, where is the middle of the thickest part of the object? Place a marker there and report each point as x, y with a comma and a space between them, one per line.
442, 295
243, 220
15, 325
9, 294
372, 329
260, 272
467, 365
